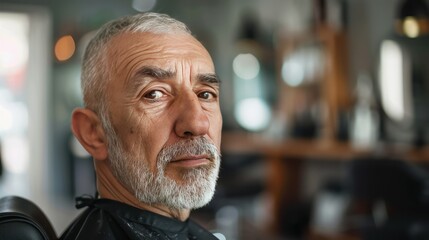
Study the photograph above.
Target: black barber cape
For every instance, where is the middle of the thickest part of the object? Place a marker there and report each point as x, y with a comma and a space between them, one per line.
108, 219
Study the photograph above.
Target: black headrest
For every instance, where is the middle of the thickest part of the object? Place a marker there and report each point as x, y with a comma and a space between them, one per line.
22, 219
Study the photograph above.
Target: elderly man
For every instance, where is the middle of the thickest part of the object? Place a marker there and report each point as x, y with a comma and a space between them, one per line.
152, 124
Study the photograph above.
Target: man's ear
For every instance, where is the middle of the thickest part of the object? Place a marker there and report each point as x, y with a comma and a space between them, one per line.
87, 128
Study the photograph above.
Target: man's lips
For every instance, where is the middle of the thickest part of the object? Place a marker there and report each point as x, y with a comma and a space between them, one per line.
191, 160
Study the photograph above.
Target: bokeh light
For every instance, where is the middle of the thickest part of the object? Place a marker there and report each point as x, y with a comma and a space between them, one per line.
65, 48
411, 27
253, 114
246, 66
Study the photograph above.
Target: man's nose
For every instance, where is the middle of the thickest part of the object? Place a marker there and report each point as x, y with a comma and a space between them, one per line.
192, 120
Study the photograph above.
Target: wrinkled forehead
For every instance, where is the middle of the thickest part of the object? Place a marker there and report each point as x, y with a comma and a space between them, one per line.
130, 49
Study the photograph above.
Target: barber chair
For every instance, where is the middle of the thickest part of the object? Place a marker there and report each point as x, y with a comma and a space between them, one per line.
21, 219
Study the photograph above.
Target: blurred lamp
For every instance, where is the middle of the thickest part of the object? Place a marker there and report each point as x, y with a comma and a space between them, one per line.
412, 18
65, 48
391, 80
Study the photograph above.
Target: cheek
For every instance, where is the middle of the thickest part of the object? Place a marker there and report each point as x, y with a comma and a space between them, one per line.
216, 128
148, 137
131, 131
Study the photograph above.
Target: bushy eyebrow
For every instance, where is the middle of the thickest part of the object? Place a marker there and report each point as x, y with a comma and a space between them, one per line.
141, 76
155, 72
163, 74
210, 78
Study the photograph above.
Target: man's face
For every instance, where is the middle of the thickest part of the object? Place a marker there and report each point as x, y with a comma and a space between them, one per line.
166, 123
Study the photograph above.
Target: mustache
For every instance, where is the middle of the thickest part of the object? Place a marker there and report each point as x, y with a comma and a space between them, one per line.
198, 146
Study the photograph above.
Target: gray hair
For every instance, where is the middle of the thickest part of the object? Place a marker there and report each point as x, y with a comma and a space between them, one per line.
95, 72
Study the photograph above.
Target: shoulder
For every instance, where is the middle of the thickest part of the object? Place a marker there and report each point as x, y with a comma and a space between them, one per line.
199, 232
97, 222
108, 219
93, 223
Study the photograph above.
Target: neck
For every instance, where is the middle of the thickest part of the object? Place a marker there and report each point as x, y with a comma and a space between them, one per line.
109, 187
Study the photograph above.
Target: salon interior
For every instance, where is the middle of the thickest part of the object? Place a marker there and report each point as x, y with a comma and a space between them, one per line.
325, 109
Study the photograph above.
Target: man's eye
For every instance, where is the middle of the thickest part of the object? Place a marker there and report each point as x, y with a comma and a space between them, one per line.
206, 95
153, 95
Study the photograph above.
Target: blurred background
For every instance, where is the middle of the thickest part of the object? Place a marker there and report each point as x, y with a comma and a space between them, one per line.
325, 107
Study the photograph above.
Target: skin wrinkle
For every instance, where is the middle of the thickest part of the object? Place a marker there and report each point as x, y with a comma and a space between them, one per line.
132, 64
134, 145
149, 49
106, 184
132, 55
124, 58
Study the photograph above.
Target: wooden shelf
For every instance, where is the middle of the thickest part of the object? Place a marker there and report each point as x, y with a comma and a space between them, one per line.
250, 143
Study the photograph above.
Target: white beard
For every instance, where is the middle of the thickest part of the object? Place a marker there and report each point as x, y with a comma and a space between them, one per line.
194, 189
